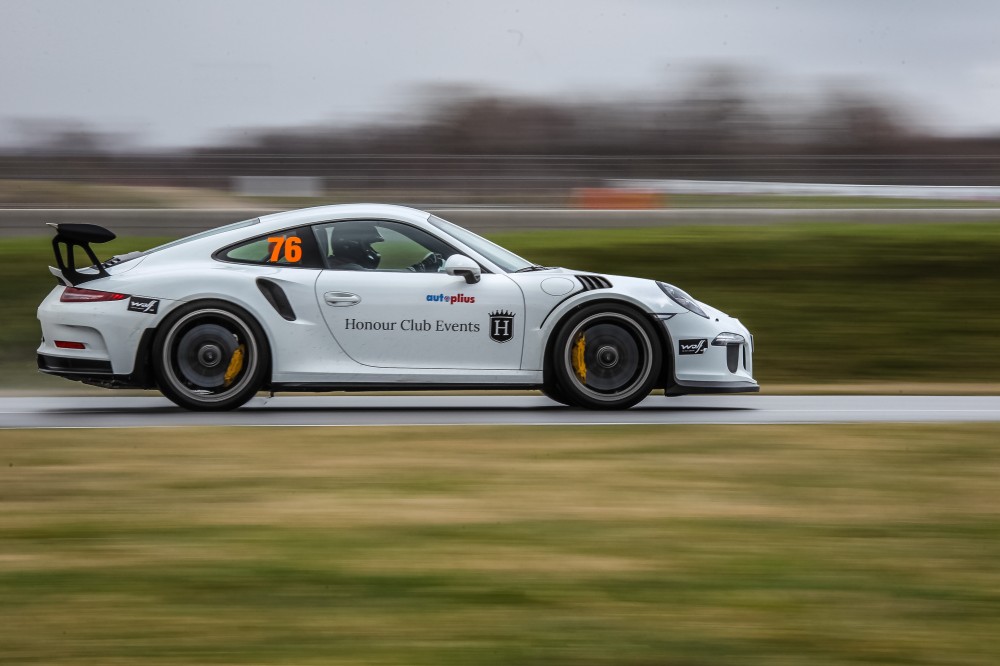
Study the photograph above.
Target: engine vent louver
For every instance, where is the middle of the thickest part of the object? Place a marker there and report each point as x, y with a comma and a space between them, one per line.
591, 282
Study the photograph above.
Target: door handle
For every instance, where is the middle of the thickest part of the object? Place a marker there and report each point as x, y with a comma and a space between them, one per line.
340, 299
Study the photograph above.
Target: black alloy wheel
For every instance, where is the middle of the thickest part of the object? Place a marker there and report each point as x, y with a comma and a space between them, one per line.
210, 356
606, 357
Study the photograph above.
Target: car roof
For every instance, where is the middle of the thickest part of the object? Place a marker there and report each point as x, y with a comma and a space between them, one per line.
343, 212
209, 242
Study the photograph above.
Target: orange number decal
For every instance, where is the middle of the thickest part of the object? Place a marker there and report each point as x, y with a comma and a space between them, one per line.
293, 248
276, 250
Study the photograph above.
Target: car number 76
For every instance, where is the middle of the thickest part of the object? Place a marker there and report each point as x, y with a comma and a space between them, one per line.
292, 245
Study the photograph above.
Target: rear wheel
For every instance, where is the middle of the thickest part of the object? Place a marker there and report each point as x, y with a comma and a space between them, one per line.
606, 357
210, 356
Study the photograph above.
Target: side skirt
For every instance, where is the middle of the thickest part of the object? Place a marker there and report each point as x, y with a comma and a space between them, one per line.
400, 386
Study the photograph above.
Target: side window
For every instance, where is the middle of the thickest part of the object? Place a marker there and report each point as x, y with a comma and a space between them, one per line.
292, 247
380, 245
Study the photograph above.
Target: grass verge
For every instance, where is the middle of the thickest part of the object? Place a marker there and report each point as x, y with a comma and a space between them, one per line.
68, 194
826, 303
609, 545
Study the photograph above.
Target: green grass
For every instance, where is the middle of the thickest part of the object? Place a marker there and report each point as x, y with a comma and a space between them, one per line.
625, 546
827, 303
43, 193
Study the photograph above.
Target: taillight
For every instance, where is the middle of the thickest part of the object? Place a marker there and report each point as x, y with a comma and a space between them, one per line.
77, 295
68, 344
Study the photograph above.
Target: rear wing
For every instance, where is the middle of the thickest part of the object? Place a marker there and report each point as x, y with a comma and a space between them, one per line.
78, 235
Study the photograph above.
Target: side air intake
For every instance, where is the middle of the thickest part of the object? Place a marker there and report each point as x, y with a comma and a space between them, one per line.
275, 295
591, 282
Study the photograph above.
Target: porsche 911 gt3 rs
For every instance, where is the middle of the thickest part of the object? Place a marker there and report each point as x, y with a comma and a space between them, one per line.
372, 297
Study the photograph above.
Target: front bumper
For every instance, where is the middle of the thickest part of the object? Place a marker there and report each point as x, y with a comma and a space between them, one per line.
702, 388
697, 366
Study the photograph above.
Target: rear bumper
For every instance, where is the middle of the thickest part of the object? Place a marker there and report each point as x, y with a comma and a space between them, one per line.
86, 370
92, 371
108, 330
74, 368
116, 341
100, 372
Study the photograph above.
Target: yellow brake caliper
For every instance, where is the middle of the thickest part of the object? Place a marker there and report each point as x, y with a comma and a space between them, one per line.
235, 365
579, 364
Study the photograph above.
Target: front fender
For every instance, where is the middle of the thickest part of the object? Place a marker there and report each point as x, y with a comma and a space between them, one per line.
537, 337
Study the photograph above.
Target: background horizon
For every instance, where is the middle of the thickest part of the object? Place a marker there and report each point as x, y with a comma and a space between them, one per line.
192, 74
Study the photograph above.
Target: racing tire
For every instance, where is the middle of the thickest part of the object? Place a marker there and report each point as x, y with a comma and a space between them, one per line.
210, 356
555, 392
606, 356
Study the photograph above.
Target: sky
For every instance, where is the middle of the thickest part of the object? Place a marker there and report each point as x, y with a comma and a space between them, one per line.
183, 72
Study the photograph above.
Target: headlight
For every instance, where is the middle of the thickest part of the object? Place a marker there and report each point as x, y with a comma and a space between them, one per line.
726, 339
679, 297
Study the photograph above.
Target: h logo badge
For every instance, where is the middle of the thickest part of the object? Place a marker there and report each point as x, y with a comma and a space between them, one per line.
501, 326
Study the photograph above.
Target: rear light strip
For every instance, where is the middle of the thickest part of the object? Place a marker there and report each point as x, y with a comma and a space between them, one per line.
78, 295
68, 344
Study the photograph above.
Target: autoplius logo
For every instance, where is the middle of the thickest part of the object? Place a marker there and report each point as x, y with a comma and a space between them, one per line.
693, 346
147, 305
450, 299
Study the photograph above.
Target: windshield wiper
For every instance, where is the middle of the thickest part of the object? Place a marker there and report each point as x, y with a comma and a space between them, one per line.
533, 267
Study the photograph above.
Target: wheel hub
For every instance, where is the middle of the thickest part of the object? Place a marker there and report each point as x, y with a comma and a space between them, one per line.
610, 360
608, 356
203, 355
210, 355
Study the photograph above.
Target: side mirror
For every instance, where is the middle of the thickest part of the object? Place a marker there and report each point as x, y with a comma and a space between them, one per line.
459, 264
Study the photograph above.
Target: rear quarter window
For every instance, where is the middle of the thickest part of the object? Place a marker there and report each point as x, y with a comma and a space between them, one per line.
291, 248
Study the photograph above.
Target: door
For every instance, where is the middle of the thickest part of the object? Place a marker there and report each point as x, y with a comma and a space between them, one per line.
388, 305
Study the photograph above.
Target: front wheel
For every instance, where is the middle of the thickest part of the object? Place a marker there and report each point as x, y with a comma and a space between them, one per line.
606, 357
210, 356
554, 392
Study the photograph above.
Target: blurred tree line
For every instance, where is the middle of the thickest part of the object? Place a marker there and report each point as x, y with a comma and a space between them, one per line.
722, 126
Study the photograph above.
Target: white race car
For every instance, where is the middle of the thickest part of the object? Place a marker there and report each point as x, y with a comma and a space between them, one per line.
372, 297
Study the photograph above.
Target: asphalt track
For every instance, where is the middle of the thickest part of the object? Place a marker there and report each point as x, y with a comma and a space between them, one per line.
437, 410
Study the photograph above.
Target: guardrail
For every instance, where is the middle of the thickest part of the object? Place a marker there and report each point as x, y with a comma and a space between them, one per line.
734, 187
470, 173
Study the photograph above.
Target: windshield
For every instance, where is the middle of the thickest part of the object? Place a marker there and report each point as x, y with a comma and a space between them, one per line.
506, 260
205, 234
